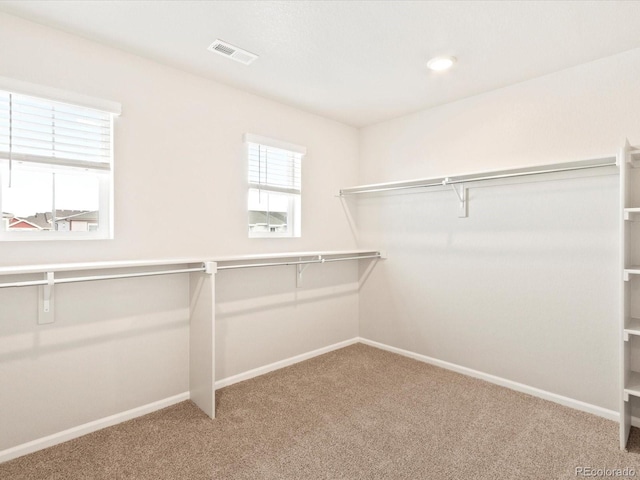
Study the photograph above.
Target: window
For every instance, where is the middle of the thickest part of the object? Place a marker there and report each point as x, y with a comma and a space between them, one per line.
56, 164
274, 187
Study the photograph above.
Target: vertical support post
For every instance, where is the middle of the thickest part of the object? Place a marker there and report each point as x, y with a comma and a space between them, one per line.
623, 161
202, 338
46, 312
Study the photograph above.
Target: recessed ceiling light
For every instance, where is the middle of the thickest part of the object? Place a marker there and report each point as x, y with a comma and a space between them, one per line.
439, 64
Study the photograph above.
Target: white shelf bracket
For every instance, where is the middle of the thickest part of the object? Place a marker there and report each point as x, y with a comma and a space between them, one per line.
46, 312
300, 268
634, 156
211, 268
625, 276
462, 196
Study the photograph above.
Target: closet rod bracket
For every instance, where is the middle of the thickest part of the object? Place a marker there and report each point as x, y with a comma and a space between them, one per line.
462, 194
301, 267
46, 313
210, 268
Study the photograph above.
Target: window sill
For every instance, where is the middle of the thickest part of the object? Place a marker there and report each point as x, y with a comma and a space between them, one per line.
52, 236
272, 235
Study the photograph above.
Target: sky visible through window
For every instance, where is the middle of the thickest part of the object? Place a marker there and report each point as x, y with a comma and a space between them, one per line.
31, 191
267, 201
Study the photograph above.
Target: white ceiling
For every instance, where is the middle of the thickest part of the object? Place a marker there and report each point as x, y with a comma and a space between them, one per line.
359, 62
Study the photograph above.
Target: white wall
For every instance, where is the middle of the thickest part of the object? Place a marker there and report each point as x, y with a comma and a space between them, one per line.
179, 153
250, 320
180, 190
115, 345
526, 287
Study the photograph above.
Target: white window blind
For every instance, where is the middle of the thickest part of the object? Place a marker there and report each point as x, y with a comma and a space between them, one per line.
46, 132
274, 194
274, 169
56, 163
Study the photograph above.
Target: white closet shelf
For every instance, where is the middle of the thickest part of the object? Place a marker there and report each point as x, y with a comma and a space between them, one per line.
629, 327
69, 267
201, 301
194, 265
631, 270
633, 384
287, 255
299, 260
629, 211
632, 326
483, 176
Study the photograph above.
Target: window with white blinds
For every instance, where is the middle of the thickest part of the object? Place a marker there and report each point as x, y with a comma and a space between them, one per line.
275, 183
274, 169
56, 162
45, 132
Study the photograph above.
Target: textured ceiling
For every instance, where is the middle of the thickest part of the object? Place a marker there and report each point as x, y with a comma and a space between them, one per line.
359, 62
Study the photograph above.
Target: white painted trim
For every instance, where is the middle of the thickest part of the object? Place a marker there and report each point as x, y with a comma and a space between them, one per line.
256, 372
80, 430
58, 95
86, 428
503, 382
272, 142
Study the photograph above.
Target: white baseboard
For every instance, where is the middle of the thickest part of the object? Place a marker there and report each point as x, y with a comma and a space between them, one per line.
99, 424
80, 430
256, 372
503, 382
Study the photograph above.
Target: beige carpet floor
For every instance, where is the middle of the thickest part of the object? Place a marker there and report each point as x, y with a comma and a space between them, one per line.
356, 413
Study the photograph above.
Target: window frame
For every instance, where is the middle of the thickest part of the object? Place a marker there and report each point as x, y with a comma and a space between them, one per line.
295, 199
294, 209
105, 230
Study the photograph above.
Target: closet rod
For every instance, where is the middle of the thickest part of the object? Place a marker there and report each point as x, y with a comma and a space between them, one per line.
495, 175
320, 259
377, 255
32, 283
533, 172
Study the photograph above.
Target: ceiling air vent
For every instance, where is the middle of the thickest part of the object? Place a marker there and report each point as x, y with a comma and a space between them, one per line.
234, 53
